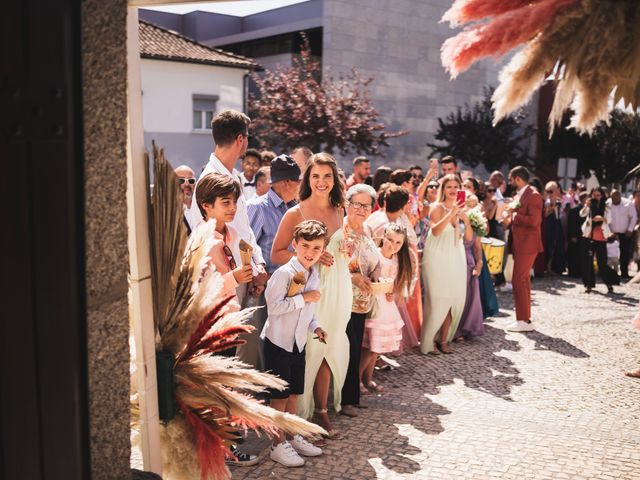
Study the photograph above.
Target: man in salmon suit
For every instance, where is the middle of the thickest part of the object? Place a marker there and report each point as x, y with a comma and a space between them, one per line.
525, 218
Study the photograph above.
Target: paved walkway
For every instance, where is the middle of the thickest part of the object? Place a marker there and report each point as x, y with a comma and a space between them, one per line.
550, 404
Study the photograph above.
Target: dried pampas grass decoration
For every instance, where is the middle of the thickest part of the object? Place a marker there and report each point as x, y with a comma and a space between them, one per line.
193, 324
592, 48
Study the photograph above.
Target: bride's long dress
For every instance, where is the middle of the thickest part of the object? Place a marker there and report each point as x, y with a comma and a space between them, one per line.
332, 312
444, 270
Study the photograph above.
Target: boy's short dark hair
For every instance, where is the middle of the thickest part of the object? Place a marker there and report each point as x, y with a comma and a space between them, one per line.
395, 198
227, 125
311, 230
448, 159
215, 185
252, 152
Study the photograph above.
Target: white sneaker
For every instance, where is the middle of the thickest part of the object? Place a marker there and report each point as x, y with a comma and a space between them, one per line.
507, 287
284, 454
305, 448
520, 326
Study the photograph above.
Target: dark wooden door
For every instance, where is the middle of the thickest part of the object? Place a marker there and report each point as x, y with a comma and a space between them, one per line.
43, 365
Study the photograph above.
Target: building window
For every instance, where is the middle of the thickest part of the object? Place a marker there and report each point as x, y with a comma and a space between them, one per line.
204, 107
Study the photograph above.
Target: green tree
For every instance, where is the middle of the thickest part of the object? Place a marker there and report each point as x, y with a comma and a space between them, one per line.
468, 135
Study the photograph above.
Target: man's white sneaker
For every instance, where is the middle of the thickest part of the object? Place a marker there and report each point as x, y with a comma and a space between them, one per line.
507, 287
305, 448
284, 454
520, 326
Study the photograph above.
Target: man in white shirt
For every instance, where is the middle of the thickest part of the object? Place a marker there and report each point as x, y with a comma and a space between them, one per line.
231, 136
230, 130
623, 220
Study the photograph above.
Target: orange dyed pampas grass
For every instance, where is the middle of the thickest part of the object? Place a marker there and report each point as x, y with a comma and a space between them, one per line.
592, 48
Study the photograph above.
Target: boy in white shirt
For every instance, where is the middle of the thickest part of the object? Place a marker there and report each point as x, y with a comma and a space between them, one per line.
285, 332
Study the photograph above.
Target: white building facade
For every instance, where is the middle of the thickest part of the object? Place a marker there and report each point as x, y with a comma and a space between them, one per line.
184, 85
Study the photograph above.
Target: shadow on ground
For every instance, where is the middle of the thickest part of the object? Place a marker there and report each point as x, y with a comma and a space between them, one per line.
555, 344
475, 362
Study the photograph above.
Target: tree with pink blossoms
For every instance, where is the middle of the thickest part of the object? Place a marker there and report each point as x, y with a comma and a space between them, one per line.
295, 107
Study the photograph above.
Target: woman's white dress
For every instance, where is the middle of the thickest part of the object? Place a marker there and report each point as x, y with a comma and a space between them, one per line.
444, 271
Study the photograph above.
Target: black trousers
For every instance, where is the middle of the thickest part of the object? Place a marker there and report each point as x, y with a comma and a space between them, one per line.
574, 261
590, 248
626, 244
355, 333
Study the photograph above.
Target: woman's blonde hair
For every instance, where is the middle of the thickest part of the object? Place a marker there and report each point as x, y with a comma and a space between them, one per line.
451, 177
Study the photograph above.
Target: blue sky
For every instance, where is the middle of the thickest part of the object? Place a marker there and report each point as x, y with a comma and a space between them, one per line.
237, 8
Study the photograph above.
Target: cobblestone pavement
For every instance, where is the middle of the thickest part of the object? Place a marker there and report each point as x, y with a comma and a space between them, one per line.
549, 404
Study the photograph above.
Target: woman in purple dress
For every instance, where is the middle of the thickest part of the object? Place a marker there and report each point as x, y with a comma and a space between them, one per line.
472, 321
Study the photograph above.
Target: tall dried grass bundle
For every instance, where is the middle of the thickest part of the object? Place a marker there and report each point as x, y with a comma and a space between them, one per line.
194, 322
591, 46
167, 237
499, 35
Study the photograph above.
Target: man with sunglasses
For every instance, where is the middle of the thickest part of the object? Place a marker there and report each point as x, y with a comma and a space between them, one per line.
187, 180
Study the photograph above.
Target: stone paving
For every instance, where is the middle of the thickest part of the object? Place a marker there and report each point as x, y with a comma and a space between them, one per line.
549, 404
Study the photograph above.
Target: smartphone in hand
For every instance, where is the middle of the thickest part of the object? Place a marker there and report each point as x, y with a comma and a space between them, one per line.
461, 198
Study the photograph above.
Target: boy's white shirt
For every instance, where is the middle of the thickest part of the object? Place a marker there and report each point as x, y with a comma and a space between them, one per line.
290, 319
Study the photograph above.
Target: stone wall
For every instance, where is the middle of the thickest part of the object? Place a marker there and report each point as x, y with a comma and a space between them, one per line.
398, 42
107, 262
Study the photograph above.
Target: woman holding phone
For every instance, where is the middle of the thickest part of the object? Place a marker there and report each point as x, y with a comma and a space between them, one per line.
444, 267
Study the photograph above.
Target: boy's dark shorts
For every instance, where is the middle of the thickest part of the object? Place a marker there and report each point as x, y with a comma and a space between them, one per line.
289, 366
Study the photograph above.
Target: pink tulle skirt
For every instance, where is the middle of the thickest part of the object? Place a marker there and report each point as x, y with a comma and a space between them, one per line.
383, 334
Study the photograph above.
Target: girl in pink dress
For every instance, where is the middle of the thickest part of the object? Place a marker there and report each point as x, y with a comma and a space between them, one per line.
383, 332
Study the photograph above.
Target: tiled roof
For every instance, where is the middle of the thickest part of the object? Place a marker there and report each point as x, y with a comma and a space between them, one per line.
160, 43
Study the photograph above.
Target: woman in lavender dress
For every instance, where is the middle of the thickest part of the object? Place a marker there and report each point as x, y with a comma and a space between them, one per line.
472, 321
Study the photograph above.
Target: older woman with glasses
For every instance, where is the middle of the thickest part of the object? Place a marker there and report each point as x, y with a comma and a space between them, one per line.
364, 263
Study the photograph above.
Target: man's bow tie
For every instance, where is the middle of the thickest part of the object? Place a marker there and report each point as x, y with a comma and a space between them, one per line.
249, 184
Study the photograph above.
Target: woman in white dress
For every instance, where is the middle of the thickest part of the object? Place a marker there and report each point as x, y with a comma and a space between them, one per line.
444, 267
322, 199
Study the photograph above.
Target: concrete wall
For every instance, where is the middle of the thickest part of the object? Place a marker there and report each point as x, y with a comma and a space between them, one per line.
398, 42
104, 74
167, 102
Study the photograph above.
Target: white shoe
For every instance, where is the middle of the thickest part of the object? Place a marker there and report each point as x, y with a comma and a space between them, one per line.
520, 326
305, 448
507, 287
284, 454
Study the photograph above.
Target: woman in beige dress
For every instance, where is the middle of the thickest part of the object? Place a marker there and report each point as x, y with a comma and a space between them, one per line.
322, 199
